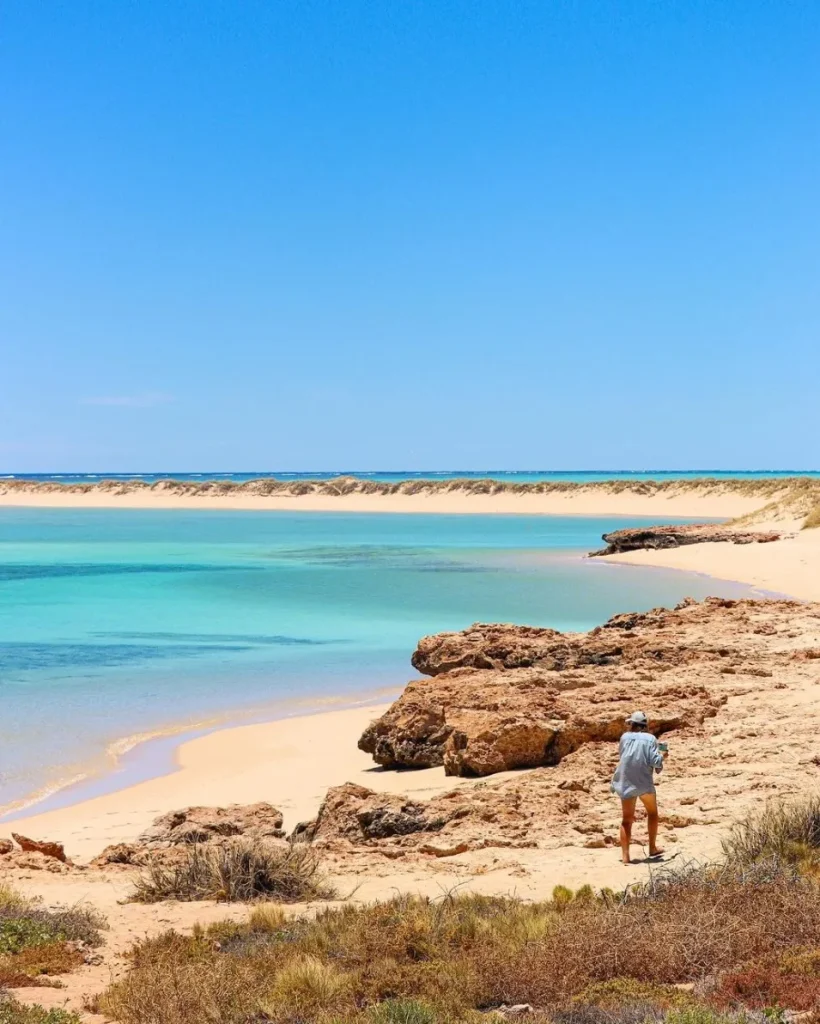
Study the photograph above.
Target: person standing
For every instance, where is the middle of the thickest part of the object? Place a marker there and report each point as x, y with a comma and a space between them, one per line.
640, 758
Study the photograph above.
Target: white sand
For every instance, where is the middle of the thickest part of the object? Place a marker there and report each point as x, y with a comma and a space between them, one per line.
290, 763
790, 566
582, 501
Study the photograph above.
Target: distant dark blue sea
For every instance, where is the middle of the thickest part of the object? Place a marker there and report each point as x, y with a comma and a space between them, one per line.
396, 476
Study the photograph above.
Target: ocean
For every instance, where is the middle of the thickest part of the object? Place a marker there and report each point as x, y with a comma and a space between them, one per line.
117, 624
390, 476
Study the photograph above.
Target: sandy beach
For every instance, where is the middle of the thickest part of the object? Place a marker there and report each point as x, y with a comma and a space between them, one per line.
291, 763
710, 502
790, 566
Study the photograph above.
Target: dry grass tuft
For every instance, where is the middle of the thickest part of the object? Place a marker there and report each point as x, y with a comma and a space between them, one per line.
240, 871
788, 832
267, 917
305, 988
812, 520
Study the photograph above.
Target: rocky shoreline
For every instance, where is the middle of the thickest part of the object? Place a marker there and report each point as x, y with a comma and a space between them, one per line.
656, 538
733, 685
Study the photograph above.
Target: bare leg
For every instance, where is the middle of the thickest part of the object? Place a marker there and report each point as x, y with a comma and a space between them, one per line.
627, 818
650, 802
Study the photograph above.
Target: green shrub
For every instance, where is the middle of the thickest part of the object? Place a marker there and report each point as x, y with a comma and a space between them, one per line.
402, 1011
19, 933
35, 941
12, 1012
609, 995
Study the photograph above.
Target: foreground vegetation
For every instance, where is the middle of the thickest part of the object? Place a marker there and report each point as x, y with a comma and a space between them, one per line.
741, 938
36, 944
240, 872
734, 943
14, 1012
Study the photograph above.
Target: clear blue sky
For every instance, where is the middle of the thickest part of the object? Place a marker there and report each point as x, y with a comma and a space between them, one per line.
332, 234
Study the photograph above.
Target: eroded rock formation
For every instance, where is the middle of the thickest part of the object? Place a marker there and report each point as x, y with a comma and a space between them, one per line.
46, 848
505, 697
655, 537
173, 831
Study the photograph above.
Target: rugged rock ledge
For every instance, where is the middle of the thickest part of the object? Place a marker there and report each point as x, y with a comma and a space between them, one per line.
655, 537
167, 838
505, 697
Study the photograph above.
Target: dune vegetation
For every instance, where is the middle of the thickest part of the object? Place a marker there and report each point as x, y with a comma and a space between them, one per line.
37, 944
696, 945
813, 518
783, 488
241, 871
14, 1012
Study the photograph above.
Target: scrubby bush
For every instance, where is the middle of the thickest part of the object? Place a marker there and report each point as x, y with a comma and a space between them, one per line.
12, 1012
240, 871
574, 959
35, 942
788, 832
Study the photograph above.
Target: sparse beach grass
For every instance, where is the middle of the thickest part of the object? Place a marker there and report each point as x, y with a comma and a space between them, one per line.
789, 832
812, 520
239, 871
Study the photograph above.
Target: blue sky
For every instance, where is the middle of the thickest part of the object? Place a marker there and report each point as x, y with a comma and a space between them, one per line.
327, 234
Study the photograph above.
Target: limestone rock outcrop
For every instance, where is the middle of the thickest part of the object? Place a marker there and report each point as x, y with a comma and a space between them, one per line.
655, 537
208, 824
505, 697
359, 814
48, 849
172, 832
354, 818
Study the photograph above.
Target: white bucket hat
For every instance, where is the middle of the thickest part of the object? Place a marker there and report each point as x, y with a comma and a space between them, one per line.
637, 718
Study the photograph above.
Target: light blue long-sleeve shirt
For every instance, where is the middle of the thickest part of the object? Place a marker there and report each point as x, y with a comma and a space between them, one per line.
640, 756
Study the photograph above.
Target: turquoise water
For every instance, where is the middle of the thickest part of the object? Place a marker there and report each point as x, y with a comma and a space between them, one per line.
120, 622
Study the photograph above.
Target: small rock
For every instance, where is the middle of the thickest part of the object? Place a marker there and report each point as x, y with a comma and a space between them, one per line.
445, 851
48, 849
119, 853
575, 785
6, 846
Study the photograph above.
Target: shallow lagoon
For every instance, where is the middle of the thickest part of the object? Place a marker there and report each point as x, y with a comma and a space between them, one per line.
116, 623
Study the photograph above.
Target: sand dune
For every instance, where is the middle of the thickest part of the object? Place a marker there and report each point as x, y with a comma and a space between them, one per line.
711, 498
